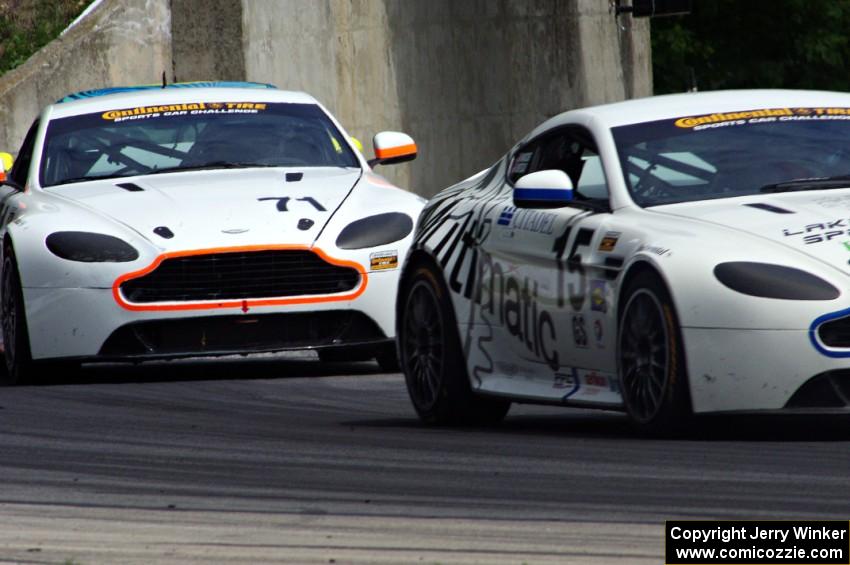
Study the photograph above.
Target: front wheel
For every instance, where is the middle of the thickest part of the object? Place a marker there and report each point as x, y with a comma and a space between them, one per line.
432, 359
650, 360
16, 347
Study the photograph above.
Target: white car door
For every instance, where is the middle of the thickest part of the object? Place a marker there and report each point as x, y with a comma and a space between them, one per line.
551, 272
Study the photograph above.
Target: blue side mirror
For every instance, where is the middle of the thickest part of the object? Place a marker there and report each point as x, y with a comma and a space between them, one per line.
543, 189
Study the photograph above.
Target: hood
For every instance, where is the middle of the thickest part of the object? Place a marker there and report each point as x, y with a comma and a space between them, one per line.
220, 208
816, 223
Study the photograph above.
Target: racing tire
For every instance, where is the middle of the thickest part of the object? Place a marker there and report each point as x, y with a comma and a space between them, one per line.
432, 360
650, 359
18, 364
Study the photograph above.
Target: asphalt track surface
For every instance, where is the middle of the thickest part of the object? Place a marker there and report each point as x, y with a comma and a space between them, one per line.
288, 460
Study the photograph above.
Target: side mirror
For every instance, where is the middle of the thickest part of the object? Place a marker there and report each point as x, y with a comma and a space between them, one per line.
6, 162
392, 147
543, 189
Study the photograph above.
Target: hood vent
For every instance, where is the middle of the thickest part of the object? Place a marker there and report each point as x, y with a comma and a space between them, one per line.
163, 232
769, 208
130, 187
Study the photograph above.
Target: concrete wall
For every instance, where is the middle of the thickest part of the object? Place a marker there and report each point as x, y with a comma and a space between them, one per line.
206, 40
466, 78
119, 42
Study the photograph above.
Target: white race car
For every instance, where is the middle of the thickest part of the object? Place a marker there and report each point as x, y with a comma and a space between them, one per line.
198, 219
666, 256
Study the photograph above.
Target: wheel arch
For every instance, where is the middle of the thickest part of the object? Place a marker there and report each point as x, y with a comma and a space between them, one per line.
635, 269
9, 245
639, 267
16, 239
417, 257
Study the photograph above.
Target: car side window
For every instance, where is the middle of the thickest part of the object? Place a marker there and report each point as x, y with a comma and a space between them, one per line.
571, 150
21, 168
521, 163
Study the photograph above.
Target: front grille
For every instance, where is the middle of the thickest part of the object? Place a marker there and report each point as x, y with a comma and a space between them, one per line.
240, 276
835, 333
215, 335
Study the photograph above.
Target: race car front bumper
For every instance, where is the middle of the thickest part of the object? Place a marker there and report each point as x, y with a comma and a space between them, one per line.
734, 370
89, 324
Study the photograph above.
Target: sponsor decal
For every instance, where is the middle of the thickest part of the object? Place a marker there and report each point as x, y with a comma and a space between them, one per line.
506, 216
579, 331
598, 301
598, 333
534, 221
817, 233
567, 381
144, 112
726, 119
383, 260
563, 381
595, 379
609, 241
513, 301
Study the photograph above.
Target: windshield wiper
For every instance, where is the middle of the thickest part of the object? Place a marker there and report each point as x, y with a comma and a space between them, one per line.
88, 179
210, 165
817, 183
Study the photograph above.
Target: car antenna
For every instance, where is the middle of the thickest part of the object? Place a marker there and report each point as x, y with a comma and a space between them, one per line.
164, 80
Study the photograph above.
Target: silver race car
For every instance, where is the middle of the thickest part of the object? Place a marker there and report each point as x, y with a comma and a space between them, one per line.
197, 219
666, 256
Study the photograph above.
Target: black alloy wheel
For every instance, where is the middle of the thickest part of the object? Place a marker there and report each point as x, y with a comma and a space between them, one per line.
16, 348
423, 343
432, 359
650, 360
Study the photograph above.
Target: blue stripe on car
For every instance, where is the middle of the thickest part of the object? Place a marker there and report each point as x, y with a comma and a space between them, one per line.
814, 328
542, 194
576, 385
506, 216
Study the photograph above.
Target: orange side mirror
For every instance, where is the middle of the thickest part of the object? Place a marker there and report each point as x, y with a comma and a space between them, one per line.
393, 147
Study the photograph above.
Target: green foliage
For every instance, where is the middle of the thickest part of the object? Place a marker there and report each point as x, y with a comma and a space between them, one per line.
754, 44
28, 25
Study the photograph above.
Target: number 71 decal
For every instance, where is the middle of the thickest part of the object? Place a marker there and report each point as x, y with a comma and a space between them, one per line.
283, 202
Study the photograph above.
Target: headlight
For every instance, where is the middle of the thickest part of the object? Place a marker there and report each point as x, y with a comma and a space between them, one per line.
90, 247
774, 281
375, 230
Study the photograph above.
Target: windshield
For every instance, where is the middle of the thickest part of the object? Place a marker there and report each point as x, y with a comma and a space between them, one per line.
151, 139
736, 153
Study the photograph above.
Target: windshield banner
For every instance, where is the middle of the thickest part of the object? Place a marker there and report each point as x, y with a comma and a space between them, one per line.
143, 112
725, 119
